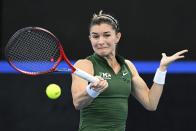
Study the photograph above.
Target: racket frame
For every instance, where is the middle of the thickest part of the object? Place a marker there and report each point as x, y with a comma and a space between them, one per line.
80, 73
53, 69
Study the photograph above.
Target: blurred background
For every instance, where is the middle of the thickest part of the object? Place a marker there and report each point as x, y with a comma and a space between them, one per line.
148, 28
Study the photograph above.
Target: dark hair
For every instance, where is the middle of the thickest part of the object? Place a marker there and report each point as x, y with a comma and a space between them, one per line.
104, 18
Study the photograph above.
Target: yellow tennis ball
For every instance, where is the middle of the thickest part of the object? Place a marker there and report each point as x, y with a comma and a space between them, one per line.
53, 91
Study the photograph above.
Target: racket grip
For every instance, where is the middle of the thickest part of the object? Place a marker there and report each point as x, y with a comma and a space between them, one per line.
84, 75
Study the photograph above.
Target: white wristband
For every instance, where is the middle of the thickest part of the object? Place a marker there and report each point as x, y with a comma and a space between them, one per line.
91, 92
159, 77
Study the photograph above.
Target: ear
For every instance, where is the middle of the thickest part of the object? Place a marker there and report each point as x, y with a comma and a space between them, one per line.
118, 36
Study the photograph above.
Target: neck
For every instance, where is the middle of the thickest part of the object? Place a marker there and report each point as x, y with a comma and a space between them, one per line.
113, 63
111, 59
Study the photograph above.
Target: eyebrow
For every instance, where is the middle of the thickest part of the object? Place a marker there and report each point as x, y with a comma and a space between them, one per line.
103, 32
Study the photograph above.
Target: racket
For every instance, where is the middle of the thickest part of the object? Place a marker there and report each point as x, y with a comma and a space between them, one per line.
36, 51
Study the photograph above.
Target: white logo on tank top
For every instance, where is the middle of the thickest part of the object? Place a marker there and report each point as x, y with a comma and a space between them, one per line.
125, 73
105, 75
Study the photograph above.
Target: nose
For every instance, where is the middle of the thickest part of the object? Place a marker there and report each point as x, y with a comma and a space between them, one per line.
101, 40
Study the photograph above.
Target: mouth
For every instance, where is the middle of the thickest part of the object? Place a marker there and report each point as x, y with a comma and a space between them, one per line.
102, 48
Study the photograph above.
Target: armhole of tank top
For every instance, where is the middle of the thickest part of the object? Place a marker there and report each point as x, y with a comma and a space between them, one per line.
130, 72
128, 69
93, 66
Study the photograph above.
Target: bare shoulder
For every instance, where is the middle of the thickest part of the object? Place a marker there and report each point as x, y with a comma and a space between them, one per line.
85, 65
130, 64
83, 62
79, 84
131, 67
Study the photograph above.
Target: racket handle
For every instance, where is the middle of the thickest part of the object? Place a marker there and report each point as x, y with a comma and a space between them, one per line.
86, 76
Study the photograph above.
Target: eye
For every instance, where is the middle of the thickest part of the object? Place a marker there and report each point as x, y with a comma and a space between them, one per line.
95, 36
107, 35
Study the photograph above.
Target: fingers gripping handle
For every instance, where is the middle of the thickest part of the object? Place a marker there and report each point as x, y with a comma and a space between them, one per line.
84, 75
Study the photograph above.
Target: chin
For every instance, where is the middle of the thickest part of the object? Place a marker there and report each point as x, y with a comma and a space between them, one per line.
104, 54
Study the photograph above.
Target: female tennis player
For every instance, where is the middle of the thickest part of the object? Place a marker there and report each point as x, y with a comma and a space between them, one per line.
103, 105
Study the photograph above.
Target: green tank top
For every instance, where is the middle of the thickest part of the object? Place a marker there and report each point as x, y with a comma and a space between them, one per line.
108, 112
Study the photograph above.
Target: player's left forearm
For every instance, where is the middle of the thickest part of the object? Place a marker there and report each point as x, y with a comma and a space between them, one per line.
154, 95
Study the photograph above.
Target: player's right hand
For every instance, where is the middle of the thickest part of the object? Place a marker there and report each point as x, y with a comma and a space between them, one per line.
100, 85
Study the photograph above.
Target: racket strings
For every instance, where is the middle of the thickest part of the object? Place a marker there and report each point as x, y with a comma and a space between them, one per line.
33, 51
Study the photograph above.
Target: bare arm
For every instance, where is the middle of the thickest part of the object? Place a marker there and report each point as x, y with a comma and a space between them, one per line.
149, 98
80, 96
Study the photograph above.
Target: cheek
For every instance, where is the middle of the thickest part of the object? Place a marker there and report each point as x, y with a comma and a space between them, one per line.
93, 43
113, 46
111, 43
